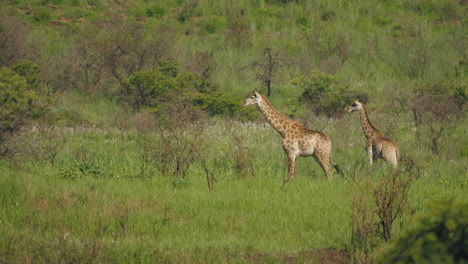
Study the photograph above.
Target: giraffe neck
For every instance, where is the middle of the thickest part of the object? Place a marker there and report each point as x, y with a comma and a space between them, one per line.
367, 127
273, 117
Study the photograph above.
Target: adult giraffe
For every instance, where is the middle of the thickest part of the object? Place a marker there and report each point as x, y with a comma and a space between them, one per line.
298, 141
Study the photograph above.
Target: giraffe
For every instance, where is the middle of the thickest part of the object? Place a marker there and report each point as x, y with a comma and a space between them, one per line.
377, 145
298, 141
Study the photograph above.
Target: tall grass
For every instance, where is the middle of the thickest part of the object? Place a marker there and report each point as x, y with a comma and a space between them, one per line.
95, 204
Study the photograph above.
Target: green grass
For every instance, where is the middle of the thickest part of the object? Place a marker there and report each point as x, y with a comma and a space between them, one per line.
108, 210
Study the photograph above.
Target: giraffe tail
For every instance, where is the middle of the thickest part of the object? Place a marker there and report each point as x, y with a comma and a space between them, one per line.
337, 168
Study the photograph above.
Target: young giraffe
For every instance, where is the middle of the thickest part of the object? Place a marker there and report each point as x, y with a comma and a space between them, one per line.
377, 145
298, 141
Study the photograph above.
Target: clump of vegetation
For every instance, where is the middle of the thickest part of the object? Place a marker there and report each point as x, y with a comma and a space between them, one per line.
437, 108
166, 89
375, 210
324, 95
391, 200
440, 236
20, 100
174, 150
159, 88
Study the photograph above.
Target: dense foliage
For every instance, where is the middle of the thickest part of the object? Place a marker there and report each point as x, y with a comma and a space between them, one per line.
324, 96
165, 89
20, 98
440, 236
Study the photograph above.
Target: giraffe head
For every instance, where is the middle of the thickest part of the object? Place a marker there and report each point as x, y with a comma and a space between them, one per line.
356, 106
253, 98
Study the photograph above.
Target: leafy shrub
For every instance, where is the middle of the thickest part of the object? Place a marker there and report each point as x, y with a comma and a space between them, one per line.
324, 95
441, 236
166, 89
159, 89
218, 104
16, 102
19, 102
30, 72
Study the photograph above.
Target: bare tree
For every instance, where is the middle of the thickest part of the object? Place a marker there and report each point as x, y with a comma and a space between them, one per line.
266, 67
127, 48
433, 108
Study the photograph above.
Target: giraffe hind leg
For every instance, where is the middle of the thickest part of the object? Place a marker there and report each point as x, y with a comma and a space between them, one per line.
391, 157
324, 162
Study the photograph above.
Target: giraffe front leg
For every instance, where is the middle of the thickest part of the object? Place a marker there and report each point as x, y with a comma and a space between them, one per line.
291, 164
370, 153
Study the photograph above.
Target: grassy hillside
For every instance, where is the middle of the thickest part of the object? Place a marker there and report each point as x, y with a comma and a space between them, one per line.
123, 139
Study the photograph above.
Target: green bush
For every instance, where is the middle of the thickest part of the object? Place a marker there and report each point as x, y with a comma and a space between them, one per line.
441, 236
30, 72
16, 102
153, 89
19, 102
324, 95
218, 104
166, 89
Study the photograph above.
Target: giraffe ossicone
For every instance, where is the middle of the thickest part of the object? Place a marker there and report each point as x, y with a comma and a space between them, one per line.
378, 147
298, 141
